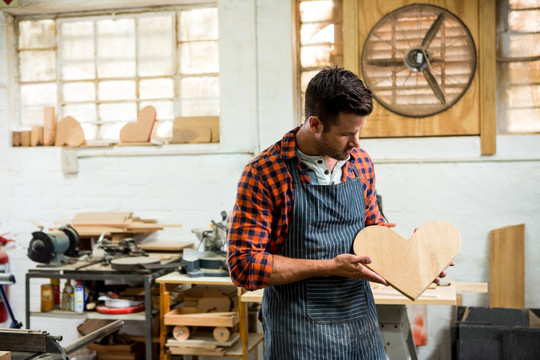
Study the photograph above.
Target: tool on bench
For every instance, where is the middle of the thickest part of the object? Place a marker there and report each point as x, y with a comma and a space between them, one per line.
210, 261
40, 345
51, 248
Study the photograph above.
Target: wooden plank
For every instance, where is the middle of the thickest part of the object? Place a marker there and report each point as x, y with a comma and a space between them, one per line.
196, 129
49, 125
114, 218
5, 355
166, 246
429, 251
351, 47
480, 287
507, 267
175, 318
488, 76
36, 136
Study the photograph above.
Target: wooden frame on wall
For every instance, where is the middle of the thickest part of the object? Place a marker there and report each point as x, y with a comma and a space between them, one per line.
474, 114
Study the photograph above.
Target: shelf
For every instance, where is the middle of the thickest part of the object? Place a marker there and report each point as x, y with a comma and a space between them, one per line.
140, 316
176, 278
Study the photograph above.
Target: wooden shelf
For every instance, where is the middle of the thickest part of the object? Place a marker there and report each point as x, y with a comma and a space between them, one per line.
139, 316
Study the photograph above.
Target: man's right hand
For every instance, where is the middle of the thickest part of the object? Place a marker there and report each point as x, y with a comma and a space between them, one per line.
353, 266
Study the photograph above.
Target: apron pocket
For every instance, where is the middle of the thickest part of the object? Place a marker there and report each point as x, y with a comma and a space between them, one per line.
336, 299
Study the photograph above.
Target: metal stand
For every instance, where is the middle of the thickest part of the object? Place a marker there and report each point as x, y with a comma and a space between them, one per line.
8, 279
396, 332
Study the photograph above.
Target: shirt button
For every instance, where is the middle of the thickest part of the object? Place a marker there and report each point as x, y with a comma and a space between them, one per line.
319, 161
326, 172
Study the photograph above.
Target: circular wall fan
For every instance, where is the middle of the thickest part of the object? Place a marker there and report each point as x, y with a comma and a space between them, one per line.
418, 60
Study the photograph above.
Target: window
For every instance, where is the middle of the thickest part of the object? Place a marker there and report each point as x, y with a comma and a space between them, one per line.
320, 40
518, 66
103, 69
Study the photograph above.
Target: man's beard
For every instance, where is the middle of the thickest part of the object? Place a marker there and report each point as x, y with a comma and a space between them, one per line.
326, 149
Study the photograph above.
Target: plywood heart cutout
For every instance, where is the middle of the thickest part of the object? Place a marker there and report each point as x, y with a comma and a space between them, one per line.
69, 132
142, 129
409, 266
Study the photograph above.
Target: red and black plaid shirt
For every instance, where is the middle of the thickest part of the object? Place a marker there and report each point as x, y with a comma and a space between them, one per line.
264, 205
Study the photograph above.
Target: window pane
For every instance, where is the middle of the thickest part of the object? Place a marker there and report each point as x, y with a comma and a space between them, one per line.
37, 65
163, 130
90, 131
116, 48
77, 49
118, 112
156, 48
316, 10
317, 33
199, 87
523, 72
111, 131
316, 56
524, 21
200, 57
164, 109
38, 94
156, 89
79, 91
524, 120
37, 34
198, 24
83, 113
520, 4
116, 90
526, 95
305, 77
525, 45
200, 107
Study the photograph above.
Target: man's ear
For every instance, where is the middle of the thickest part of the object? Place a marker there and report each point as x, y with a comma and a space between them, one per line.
315, 124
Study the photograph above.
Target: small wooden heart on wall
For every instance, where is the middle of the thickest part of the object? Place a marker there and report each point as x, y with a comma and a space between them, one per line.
409, 266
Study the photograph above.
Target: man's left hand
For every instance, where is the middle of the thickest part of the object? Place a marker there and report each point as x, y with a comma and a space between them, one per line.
442, 274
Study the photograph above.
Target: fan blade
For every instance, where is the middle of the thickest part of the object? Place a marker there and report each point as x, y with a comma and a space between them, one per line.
385, 62
430, 35
434, 86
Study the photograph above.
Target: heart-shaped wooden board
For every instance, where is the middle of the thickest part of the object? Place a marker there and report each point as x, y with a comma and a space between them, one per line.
141, 131
409, 266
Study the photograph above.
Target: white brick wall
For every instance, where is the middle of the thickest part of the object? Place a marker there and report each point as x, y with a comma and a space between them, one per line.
420, 179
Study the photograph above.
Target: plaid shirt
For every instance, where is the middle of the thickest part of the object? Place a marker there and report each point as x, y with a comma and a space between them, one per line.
264, 205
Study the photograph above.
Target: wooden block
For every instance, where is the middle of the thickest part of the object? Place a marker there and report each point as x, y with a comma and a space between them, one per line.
36, 136
69, 132
49, 126
25, 137
409, 266
142, 129
16, 138
197, 129
5, 355
507, 267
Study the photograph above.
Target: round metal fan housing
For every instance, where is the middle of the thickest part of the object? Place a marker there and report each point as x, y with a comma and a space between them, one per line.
419, 60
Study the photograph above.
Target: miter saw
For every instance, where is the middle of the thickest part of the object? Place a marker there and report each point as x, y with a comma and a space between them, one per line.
211, 260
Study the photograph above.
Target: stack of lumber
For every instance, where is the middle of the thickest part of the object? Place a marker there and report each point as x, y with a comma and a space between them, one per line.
132, 351
90, 224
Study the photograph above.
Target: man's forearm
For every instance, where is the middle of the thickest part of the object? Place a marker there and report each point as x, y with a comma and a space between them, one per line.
287, 270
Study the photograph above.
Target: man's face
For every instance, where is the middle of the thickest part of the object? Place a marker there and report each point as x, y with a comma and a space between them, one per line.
339, 140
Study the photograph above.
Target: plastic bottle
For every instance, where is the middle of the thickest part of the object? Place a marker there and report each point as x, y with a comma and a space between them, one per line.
79, 297
56, 290
67, 296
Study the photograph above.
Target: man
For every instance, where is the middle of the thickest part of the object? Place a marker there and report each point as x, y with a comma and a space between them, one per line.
299, 206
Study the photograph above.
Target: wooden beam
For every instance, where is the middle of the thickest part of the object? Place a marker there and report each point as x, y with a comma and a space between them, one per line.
487, 76
350, 36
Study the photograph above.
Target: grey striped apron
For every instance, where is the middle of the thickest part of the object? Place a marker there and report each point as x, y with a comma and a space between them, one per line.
323, 318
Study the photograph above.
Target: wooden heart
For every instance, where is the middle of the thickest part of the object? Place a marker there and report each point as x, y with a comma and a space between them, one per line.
409, 266
69, 132
142, 129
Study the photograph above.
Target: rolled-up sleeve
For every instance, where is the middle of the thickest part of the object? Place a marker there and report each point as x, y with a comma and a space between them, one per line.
249, 264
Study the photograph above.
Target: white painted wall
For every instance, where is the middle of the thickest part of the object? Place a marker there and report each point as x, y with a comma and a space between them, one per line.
420, 179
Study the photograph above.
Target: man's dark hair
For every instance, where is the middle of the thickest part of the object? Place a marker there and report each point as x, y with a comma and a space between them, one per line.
334, 90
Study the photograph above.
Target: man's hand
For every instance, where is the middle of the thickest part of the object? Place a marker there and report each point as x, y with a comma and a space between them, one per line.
442, 274
352, 266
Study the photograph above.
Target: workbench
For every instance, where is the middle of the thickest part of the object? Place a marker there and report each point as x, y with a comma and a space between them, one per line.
395, 327
97, 271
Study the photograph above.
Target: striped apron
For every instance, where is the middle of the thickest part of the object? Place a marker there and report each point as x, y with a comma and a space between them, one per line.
325, 318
